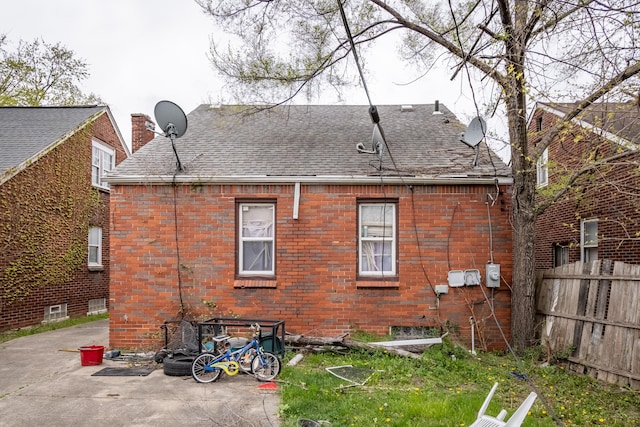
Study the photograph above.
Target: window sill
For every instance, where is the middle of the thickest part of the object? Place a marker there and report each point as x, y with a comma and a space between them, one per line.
101, 188
96, 268
253, 283
386, 284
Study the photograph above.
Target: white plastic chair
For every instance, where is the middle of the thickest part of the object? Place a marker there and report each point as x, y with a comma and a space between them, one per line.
516, 419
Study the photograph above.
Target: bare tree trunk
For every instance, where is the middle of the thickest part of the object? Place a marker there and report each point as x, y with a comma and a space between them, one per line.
523, 289
523, 219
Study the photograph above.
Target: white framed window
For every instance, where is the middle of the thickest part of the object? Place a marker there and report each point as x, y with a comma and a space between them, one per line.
542, 169
256, 239
102, 161
588, 240
377, 239
95, 247
55, 313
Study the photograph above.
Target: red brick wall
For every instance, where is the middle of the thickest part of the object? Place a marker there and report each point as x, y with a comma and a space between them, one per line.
83, 285
610, 194
316, 291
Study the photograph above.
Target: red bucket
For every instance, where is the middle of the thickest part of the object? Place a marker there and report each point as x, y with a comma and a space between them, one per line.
91, 355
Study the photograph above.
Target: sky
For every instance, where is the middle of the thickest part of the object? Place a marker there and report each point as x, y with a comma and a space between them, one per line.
140, 52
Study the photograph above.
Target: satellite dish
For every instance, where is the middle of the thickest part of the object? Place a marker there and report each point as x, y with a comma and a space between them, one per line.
171, 119
475, 132
173, 123
377, 140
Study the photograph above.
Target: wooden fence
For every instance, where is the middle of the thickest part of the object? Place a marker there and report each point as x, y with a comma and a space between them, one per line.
593, 309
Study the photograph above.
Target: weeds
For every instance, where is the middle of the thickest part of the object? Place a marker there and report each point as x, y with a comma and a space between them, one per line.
446, 387
23, 332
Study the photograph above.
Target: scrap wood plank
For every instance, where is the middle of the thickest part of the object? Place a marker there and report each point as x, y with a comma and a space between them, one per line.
400, 343
410, 342
343, 342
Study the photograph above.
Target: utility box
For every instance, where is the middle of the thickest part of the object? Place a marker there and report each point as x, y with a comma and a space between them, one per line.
441, 290
493, 275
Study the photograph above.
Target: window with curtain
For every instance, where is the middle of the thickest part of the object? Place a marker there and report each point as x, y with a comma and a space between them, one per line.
256, 243
377, 239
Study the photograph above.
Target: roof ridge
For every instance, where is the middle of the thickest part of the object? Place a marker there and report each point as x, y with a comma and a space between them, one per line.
52, 106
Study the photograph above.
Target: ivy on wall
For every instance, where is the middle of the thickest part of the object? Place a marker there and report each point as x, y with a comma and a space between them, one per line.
45, 214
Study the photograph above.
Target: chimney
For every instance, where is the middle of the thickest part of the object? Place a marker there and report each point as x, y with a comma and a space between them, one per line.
140, 134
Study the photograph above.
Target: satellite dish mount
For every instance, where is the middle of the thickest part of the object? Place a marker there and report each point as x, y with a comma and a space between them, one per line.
474, 134
377, 139
173, 123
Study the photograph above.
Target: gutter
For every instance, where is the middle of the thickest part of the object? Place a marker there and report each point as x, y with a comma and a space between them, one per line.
332, 179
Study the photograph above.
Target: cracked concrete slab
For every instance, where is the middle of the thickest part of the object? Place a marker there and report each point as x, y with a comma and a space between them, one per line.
41, 385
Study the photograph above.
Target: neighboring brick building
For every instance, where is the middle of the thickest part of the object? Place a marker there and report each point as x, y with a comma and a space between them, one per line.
599, 218
276, 215
54, 211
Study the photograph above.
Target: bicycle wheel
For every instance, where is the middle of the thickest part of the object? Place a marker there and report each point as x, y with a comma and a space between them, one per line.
269, 369
246, 361
201, 371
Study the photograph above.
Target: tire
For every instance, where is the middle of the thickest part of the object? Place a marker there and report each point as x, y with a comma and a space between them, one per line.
178, 366
246, 361
200, 370
269, 369
160, 356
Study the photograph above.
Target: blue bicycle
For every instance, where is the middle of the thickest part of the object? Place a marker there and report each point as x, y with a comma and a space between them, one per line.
251, 358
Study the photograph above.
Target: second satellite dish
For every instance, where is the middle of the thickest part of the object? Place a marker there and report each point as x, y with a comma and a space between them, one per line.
475, 132
171, 119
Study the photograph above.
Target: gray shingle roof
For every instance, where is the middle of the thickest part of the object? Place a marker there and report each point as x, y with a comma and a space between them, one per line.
619, 118
26, 131
312, 141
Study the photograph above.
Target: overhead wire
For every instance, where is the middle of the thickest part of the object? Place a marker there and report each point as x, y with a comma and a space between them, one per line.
490, 303
177, 240
353, 50
373, 112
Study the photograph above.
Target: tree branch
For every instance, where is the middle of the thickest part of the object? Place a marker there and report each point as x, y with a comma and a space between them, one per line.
626, 74
437, 38
575, 176
552, 23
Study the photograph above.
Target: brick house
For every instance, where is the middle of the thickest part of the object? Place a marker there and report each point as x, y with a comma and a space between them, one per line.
600, 217
277, 215
54, 211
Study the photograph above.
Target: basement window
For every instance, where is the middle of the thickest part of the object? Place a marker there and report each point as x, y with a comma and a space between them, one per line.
55, 313
97, 306
414, 332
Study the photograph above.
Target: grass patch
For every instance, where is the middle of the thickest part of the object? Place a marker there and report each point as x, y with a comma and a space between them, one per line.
446, 387
45, 327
